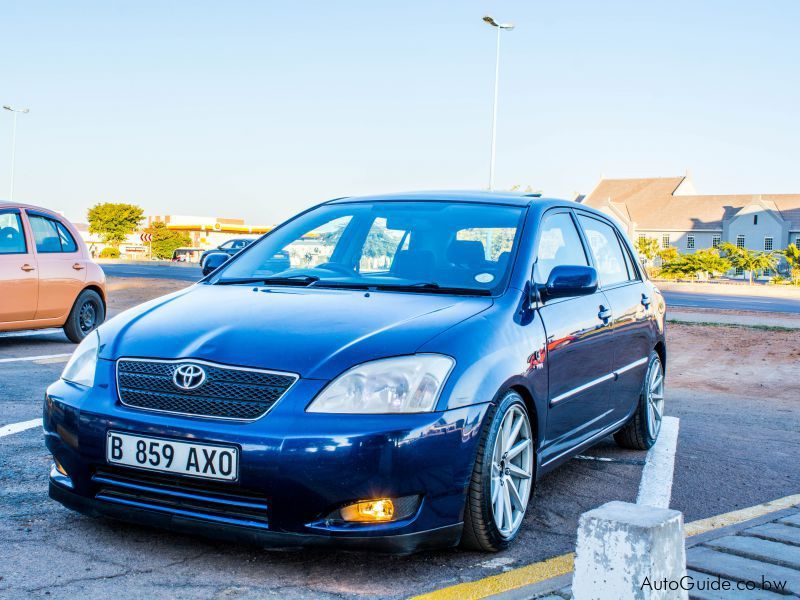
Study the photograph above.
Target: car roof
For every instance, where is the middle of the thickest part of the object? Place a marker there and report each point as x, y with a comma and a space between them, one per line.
473, 196
7, 205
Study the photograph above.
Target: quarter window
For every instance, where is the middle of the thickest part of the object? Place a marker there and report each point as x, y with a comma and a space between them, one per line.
559, 244
690, 242
768, 244
12, 238
608, 257
51, 236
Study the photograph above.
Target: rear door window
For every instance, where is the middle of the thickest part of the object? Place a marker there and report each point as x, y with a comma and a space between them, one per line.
12, 236
51, 236
608, 256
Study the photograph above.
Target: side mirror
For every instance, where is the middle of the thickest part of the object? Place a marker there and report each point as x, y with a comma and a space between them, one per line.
570, 280
214, 262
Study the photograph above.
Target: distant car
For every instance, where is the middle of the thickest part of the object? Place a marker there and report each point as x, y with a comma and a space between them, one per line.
280, 261
186, 254
47, 276
230, 248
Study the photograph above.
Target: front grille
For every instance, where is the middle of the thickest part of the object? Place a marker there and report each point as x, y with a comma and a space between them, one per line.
226, 392
210, 501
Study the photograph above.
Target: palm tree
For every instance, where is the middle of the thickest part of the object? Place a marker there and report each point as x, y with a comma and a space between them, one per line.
792, 254
749, 260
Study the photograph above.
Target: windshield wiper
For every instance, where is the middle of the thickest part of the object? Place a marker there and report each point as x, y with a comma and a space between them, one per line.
297, 280
432, 288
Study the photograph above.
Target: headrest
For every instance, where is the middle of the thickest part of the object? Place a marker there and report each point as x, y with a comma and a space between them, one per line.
413, 264
466, 253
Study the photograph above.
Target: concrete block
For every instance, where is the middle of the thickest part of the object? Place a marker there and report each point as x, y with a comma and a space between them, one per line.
629, 551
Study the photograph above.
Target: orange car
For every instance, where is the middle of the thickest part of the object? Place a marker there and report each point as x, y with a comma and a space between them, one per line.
47, 278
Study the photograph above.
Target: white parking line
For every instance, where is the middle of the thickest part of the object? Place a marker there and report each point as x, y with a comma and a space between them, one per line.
17, 427
34, 358
28, 332
655, 488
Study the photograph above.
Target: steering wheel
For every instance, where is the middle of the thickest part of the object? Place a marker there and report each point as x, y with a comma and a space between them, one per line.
337, 268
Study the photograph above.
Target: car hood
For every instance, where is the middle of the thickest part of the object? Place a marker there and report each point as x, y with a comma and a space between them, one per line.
316, 333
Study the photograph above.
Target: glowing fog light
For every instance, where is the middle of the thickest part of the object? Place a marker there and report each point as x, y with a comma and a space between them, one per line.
369, 511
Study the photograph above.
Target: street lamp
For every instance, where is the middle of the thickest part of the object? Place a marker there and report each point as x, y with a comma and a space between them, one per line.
15, 111
500, 27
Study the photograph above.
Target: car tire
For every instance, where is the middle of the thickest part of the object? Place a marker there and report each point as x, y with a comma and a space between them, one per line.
492, 473
641, 431
86, 315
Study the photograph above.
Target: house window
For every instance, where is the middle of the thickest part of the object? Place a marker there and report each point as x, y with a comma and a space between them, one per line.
755, 219
715, 241
768, 244
767, 272
642, 238
665, 240
690, 242
740, 241
739, 271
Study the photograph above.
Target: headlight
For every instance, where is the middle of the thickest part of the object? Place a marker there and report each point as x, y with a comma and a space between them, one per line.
406, 384
82, 363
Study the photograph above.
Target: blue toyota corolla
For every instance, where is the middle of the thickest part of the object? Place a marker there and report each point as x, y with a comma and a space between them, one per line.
402, 385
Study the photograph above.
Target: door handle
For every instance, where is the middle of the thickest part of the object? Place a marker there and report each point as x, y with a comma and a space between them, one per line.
604, 314
645, 300
77, 266
27, 268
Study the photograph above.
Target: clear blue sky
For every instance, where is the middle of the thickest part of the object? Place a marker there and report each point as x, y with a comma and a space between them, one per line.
259, 109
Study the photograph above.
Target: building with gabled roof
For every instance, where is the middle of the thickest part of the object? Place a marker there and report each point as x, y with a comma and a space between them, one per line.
670, 210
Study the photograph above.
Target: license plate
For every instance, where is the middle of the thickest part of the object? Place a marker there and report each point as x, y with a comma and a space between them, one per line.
171, 456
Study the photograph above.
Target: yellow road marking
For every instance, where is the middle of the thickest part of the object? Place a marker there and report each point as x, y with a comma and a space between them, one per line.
561, 565
739, 516
510, 580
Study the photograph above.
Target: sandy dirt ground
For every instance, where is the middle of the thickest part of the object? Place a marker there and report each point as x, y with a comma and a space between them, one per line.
741, 360
127, 292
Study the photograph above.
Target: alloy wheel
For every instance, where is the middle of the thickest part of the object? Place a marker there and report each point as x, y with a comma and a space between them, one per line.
655, 399
512, 469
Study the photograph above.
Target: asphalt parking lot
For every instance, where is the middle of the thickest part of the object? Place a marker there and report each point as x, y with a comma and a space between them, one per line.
736, 448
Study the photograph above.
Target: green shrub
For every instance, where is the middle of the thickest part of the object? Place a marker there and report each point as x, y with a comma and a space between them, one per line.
109, 252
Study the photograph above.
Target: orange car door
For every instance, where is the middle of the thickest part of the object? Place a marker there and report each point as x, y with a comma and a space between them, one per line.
18, 278
62, 268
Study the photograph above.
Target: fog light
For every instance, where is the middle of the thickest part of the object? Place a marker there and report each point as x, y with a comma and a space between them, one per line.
370, 511
60, 468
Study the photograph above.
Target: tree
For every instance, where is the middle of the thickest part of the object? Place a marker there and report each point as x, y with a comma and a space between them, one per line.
668, 255
114, 221
166, 241
792, 254
647, 248
706, 261
749, 260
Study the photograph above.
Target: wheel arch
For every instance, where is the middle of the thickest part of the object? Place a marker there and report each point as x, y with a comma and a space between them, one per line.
100, 292
661, 349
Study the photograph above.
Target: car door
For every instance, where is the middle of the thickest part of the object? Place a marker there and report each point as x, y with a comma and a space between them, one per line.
18, 276
622, 283
579, 349
61, 265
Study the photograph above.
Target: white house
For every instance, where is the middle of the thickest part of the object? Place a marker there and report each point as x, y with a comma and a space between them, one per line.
671, 211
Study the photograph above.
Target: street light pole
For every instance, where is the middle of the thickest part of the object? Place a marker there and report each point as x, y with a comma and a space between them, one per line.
15, 112
500, 27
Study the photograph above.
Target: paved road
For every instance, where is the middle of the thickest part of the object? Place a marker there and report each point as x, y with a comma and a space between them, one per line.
733, 451
674, 299
738, 302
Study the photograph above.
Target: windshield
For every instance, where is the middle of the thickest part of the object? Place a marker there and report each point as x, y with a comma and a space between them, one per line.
409, 246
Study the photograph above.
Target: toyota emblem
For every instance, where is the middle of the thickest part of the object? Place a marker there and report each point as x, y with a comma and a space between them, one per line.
188, 377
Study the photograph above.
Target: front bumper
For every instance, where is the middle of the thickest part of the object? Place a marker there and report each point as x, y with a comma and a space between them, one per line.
299, 466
